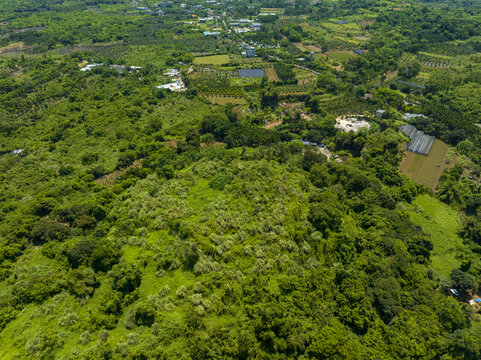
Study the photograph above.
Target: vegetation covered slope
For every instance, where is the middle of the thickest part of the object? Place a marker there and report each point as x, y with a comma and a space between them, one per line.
241, 254
138, 223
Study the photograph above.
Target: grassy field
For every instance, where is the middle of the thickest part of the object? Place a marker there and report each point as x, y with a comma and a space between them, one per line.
426, 170
273, 10
442, 224
272, 74
313, 48
212, 60
341, 56
221, 100
301, 47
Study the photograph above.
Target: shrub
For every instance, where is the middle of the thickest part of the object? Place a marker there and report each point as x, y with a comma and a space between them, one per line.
104, 257
125, 278
463, 281
48, 230
144, 314
80, 253
37, 288
7, 314
82, 282
89, 158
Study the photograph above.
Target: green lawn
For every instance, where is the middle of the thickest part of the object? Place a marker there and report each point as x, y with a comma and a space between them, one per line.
212, 60
442, 224
341, 56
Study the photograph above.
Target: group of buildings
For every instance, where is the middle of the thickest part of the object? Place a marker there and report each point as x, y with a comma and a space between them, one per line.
244, 25
177, 85
248, 51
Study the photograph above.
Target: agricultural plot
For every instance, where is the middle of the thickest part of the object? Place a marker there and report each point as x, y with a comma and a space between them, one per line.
272, 74
293, 89
113, 51
313, 48
16, 48
300, 46
277, 11
426, 170
224, 100
304, 77
434, 61
341, 56
309, 48
212, 60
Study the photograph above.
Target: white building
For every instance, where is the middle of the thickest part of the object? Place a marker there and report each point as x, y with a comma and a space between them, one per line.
176, 86
90, 66
172, 72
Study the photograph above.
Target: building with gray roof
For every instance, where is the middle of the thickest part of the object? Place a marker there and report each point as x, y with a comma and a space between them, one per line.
420, 142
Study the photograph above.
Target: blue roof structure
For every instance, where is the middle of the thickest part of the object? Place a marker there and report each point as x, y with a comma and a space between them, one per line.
359, 51
251, 73
341, 22
412, 84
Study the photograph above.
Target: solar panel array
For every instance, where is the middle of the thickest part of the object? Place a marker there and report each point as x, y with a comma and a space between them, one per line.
420, 142
251, 73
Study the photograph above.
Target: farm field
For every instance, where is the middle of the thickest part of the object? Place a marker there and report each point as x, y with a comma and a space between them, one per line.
223, 100
426, 170
442, 223
341, 56
313, 48
301, 46
304, 77
273, 10
272, 74
212, 60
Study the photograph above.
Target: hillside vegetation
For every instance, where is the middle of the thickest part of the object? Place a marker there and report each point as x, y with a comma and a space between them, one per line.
147, 213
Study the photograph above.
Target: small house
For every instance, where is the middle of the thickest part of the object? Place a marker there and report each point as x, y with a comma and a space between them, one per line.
256, 26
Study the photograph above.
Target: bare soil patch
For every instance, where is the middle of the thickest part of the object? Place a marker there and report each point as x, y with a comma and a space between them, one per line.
14, 48
273, 124
109, 179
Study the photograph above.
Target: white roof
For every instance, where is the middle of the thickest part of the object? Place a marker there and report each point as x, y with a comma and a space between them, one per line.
90, 66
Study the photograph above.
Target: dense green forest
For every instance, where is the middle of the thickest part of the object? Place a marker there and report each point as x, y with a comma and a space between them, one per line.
234, 217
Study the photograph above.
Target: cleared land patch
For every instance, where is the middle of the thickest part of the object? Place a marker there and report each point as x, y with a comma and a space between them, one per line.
426, 170
272, 74
442, 224
213, 60
14, 48
313, 48
223, 100
341, 56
